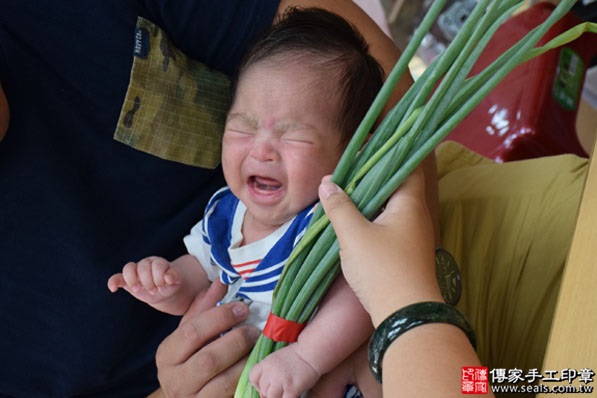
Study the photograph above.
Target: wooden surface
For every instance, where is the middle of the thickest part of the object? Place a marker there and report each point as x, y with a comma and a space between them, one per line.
573, 337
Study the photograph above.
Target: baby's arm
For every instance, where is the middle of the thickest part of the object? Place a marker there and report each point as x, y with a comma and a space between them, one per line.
167, 287
340, 326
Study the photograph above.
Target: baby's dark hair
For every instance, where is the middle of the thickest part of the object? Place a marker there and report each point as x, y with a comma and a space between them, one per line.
333, 47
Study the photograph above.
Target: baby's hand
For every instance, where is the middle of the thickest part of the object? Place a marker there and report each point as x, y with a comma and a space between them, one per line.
151, 280
283, 374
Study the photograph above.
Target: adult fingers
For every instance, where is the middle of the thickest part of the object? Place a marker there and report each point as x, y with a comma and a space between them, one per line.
224, 384
193, 354
409, 198
217, 366
407, 217
345, 217
206, 300
339, 208
197, 331
208, 375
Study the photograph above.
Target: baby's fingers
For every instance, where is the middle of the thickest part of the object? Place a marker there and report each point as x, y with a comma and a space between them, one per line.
131, 279
172, 276
164, 274
145, 273
116, 281
255, 378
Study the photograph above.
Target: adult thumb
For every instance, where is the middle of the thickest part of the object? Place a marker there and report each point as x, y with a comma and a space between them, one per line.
339, 208
206, 299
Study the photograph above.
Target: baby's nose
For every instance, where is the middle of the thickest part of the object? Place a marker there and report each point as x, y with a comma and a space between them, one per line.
264, 149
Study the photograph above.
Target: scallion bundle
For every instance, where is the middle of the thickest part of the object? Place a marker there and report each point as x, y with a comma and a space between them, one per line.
370, 173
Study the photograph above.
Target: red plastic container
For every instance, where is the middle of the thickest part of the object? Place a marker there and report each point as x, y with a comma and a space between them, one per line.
532, 112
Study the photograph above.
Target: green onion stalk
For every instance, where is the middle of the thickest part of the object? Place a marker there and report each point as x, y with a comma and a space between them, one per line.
370, 172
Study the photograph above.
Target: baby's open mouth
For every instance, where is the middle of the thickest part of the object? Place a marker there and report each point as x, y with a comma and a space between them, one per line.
264, 183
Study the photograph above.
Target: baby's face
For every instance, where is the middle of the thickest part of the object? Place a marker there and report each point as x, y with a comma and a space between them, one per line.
280, 140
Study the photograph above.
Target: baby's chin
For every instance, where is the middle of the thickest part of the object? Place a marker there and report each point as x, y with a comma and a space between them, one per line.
274, 218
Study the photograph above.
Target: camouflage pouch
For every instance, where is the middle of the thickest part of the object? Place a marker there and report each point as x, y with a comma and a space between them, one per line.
175, 107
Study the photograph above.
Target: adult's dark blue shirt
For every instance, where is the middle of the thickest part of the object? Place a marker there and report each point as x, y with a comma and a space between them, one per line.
75, 205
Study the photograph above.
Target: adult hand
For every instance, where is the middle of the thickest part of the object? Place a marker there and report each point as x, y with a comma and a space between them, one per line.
194, 361
390, 262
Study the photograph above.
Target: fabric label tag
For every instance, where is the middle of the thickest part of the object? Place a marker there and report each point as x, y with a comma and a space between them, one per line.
141, 48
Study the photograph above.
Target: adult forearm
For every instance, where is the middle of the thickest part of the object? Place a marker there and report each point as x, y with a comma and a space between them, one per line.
436, 354
429, 166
